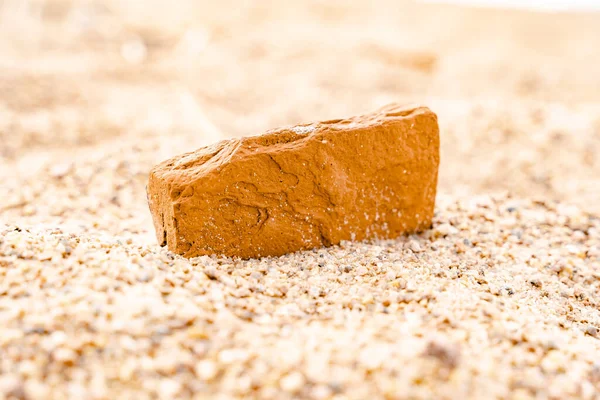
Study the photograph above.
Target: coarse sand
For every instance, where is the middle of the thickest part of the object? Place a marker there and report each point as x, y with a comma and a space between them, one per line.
499, 300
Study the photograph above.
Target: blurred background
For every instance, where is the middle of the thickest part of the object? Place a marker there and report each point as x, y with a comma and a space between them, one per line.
94, 93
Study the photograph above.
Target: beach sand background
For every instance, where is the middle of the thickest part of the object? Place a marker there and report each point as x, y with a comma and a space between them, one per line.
499, 300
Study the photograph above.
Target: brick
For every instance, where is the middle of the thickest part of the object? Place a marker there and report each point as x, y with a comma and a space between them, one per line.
302, 187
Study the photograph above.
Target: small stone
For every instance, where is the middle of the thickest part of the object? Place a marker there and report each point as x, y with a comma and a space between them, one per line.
414, 246
134, 51
399, 283
391, 275
447, 354
60, 170
292, 382
595, 373
36, 390
591, 330
169, 388
197, 332
65, 356
362, 270
553, 363
206, 370
368, 299
29, 210
445, 229
320, 392
229, 356
314, 292
11, 386
536, 283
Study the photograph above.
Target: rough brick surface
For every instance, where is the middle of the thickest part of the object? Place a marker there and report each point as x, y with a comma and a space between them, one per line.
372, 176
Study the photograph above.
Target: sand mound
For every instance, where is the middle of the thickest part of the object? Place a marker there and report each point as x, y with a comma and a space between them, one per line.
500, 298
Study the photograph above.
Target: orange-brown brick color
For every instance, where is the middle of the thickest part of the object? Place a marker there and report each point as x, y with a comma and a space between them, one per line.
290, 189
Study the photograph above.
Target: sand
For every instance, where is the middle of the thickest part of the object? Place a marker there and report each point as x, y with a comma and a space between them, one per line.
499, 300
